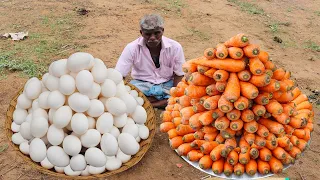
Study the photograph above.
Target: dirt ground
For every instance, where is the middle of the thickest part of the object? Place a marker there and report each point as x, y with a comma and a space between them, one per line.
196, 24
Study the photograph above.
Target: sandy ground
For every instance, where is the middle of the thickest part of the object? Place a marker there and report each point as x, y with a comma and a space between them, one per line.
196, 24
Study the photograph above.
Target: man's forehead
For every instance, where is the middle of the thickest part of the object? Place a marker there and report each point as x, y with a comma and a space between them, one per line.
152, 30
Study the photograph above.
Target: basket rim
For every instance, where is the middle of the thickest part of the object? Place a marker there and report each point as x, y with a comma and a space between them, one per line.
135, 159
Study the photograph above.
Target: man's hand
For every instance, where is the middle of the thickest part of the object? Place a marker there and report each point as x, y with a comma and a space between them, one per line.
176, 80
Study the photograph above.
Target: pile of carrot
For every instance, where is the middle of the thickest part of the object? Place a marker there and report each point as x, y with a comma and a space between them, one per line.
236, 112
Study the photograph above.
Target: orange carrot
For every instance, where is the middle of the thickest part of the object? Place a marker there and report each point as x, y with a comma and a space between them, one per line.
252, 50
300, 133
175, 114
198, 79
227, 168
215, 153
238, 169
184, 101
279, 153
260, 141
176, 121
187, 138
210, 136
194, 121
186, 113
274, 107
287, 109
290, 83
263, 167
294, 140
209, 129
172, 133
217, 166
302, 144
247, 115
189, 67
166, 116
169, 107
299, 99
249, 137
230, 65
221, 51
296, 92
232, 90
273, 126
202, 69
283, 141
197, 143
254, 152
287, 75
295, 152
256, 66
222, 123
284, 86
310, 126
194, 155
233, 157
166, 126
262, 99
220, 86
262, 131
202, 99
194, 101
220, 139
240, 40
265, 154
176, 91
221, 75
273, 86
244, 75
244, 158
209, 53
251, 167
289, 147
175, 142
242, 103
212, 90
263, 56
285, 97
269, 72
207, 147
244, 145
297, 123
235, 53
288, 129
304, 105
206, 118
195, 91
236, 125
282, 118
288, 160
230, 144
308, 134
267, 115
224, 105
177, 107
217, 113
211, 102
270, 65
197, 108
210, 72
278, 74
248, 90
275, 165
234, 114
259, 110
205, 162
251, 127
199, 134
184, 129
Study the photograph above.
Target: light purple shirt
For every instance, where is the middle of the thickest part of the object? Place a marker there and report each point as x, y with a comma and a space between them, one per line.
137, 56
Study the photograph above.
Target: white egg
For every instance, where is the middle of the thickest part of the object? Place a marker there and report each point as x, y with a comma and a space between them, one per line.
116, 106
43, 100
114, 75
52, 83
71, 145
59, 169
79, 123
95, 157
55, 135
113, 164
91, 138
103, 100
108, 88
79, 102
110, 157
62, 116
43, 88
78, 163
139, 100
138, 139
56, 99
24, 147
67, 84
143, 132
128, 88
120, 121
121, 89
35, 104
68, 127
39, 127
104, 123
25, 131
19, 116
29, 110
40, 113
15, 127
37, 150
17, 138
75, 134
96, 108
130, 121
50, 115
23, 102
123, 157
109, 144
57, 156
32, 88
131, 129
130, 102
128, 144
59, 68
68, 171
94, 91
99, 71
84, 81
96, 170
139, 115
80, 61
115, 132
134, 93
91, 122
46, 163
85, 172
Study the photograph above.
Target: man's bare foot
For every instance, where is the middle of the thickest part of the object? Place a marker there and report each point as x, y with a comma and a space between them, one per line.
160, 104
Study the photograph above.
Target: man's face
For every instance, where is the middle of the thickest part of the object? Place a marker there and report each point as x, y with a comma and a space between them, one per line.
152, 37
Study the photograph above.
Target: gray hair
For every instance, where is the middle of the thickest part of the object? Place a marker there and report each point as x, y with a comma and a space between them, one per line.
151, 21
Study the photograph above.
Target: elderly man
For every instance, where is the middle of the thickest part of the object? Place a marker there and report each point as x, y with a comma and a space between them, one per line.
156, 61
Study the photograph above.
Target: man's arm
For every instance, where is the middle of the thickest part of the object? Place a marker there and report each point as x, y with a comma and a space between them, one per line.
177, 68
125, 62
176, 79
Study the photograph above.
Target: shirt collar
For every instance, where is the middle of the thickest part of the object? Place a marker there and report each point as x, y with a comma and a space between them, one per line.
164, 41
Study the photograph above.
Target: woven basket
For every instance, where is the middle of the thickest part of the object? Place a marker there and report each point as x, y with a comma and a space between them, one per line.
144, 144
